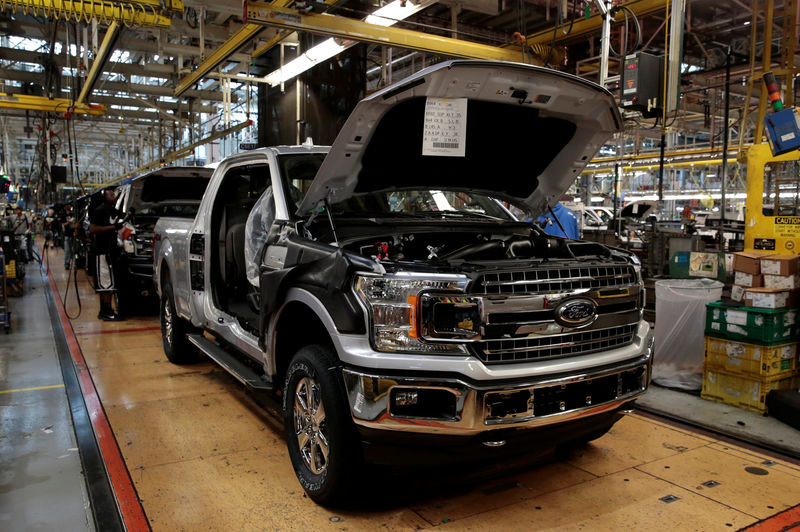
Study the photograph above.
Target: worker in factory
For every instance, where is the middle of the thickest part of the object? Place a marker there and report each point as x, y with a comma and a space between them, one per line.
104, 222
565, 223
67, 221
22, 225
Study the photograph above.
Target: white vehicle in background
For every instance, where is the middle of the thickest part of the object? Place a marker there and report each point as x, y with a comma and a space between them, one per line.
588, 219
606, 214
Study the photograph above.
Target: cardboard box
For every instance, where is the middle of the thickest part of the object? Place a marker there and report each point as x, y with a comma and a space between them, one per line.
781, 281
770, 297
779, 264
737, 292
748, 279
747, 262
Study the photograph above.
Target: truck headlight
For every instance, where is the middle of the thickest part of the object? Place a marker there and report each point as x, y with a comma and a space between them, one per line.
393, 304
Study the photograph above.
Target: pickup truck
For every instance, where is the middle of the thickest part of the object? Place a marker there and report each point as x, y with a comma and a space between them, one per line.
173, 191
380, 290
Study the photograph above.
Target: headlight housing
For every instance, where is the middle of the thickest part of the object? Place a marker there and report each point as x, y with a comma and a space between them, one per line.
392, 301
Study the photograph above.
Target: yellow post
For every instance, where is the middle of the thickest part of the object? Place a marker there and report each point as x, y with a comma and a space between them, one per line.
770, 234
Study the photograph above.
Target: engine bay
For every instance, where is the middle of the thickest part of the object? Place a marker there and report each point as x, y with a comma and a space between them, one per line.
460, 247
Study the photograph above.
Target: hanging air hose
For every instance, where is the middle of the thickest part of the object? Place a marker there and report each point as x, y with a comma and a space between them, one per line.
624, 51
73, 273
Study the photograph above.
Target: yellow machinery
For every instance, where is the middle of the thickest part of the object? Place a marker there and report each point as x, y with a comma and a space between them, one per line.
772, 222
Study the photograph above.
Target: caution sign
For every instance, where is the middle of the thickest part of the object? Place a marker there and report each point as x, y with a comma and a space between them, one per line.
787, 226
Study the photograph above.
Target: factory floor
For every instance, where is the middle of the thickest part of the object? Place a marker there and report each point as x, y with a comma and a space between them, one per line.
187, 448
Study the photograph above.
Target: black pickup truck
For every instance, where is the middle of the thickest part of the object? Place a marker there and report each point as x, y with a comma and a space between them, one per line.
173, 191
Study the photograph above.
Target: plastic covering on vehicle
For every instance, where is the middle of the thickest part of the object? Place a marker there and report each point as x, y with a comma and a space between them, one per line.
256, 231
322, 269
680, 322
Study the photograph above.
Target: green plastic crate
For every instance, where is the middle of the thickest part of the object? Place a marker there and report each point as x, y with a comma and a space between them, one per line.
754, 325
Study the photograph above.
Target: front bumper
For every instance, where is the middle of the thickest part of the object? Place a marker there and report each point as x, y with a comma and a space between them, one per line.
453, 405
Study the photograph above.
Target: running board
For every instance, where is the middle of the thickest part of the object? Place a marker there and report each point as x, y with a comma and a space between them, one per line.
230, 363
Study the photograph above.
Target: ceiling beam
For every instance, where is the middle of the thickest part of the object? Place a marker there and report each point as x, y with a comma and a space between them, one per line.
225, 50
106, 47
357, 30
585, 27
42, 103
144, 13
118, 86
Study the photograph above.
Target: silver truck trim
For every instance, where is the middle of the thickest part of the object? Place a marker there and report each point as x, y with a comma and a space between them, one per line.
369, 397
356, 350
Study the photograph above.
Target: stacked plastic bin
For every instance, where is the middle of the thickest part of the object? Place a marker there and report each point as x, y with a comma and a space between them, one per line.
751, 345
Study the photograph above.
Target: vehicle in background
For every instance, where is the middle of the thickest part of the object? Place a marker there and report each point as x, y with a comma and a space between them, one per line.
173, 191
588, 220
634, 217
606, 214
391, 303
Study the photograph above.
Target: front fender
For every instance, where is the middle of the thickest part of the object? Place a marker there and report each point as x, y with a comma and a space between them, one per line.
164, 258
299, 295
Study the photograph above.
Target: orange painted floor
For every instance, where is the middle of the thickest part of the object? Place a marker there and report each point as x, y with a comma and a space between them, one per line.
203, 455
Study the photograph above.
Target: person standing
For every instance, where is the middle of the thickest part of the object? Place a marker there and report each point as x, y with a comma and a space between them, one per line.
68, 224
104, 222
22, 226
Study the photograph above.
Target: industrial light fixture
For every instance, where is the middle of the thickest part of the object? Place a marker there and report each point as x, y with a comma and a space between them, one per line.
386, 16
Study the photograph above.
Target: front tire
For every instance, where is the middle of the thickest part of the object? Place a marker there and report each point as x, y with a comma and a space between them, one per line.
173, 331
320, 434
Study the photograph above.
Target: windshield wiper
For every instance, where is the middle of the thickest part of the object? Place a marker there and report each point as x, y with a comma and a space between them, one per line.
462, 214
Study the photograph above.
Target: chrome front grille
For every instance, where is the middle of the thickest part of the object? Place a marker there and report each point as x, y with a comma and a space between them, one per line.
554, 280
510, 350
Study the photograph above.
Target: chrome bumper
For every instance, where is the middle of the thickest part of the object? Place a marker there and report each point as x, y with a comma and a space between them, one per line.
473, 407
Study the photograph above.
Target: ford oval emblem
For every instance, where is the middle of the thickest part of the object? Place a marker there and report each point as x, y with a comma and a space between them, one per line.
576, 313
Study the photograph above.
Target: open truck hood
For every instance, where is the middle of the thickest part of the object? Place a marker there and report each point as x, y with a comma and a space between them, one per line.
509, 130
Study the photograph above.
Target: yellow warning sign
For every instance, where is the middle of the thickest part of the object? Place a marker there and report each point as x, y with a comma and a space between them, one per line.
787, 226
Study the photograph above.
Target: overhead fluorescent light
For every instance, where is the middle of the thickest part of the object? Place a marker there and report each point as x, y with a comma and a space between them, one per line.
386, 16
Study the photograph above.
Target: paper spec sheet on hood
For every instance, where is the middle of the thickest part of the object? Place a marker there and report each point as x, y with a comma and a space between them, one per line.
445, 127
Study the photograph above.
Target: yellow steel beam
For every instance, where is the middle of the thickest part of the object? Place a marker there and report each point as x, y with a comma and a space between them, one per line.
668, 155
100, 59
583, 27
134, 13
267, 46
654, 167
237, 40
245, 33
357, 30
41, 103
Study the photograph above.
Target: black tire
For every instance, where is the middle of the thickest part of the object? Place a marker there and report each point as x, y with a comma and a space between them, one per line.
336, 472
173, 331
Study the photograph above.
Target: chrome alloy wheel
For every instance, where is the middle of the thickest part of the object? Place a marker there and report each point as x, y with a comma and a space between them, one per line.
310, 426
167, 321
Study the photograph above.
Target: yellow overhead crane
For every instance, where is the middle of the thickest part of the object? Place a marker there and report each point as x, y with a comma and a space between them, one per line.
261, 14
42, 103
129, 13
358, 30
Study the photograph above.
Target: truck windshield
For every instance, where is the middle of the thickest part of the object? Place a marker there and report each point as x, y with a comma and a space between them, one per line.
299, 170
416, 203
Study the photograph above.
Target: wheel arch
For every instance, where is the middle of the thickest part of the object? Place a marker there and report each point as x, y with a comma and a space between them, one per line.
301, 320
